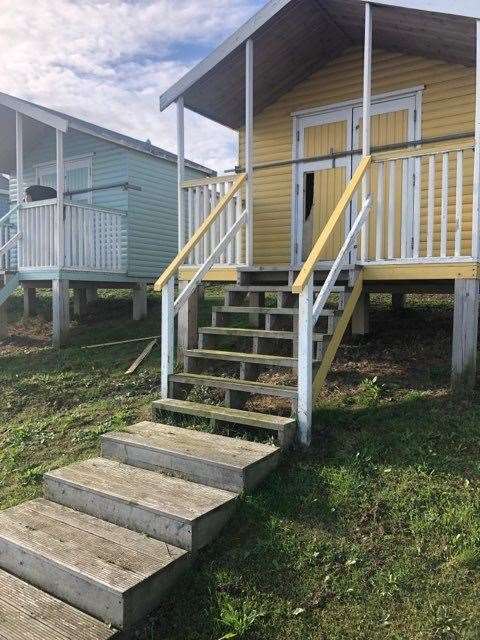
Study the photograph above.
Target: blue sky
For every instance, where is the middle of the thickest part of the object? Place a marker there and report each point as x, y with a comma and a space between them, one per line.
107, 61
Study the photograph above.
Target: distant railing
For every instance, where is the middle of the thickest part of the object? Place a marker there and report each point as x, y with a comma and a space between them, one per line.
9, 238
201, 197
92, 237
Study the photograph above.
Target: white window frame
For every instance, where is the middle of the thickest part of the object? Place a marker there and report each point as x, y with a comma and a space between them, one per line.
77, 162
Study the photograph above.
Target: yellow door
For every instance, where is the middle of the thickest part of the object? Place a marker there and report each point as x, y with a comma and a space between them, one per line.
388, 128
323, 183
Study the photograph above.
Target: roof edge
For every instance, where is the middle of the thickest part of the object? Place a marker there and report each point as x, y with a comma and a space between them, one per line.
464, 8
226, 47
33, 111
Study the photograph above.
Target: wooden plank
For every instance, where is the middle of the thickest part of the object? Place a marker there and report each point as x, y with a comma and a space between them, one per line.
459, 205
444, 206
391, 210
309, 264
191, 244
380, 212
138, 361
116, 342
430, 205
421, 271
426, 151
246, 386
465, 334
235, 356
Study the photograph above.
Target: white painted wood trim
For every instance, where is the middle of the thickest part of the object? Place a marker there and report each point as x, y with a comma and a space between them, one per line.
167, 342
19, 155
60, 200
249, 147
476, 163
444, 206
181, 171
380, 212
459, 205
392, 168
34, 112
430, 204
305, 363
466, 8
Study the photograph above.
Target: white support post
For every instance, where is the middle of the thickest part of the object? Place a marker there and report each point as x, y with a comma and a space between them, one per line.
305, 364
19, 156
168, 323
367, 100
465, 334
476, 169
60, 199
181, 171
249, 147
60, 311
139, 302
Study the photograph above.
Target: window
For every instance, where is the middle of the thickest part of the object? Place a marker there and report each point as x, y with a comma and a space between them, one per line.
78, 176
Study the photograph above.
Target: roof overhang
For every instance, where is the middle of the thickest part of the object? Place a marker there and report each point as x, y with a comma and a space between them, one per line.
294, 38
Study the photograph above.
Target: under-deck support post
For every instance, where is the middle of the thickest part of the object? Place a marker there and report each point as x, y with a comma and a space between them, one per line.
139, 298
60, 198
465, 334
361, 316
91, 293
181, 170
476, 166
249, 147
366, 138
305, 364
60, 312
398, 302
187, 335
79, 302
29, 302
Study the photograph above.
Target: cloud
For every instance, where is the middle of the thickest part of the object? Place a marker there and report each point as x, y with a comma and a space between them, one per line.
107, 61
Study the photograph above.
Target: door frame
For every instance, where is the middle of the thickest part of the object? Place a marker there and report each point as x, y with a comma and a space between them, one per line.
412, 99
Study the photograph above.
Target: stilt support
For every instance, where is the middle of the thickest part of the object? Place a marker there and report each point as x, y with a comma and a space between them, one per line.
29, 302
91, 292
139, 295
465, 333
60, 312
361, 316
398, 302
79, 302
188, 322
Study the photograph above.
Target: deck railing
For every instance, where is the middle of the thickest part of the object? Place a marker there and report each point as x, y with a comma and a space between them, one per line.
93, 237
309, 308
215, 237
423, 205
9, 238
200, 198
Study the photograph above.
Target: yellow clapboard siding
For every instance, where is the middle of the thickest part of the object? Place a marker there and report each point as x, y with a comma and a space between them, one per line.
448, 107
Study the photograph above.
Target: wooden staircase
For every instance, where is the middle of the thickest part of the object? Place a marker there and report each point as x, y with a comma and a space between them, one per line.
112, 534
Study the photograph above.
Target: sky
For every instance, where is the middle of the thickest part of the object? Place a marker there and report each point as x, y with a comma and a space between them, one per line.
108, 61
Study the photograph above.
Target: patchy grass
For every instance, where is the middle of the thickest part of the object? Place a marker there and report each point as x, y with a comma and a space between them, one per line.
374, 533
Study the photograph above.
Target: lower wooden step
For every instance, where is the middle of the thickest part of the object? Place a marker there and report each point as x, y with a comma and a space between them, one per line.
179, 512
27, 613
285, 427
111, 573
235, 356
240, 332
217, 461
252, 387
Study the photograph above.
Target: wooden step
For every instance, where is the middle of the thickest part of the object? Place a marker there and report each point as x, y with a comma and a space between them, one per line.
235, 384
268, 334
111, 573
277, 311
285, 427
217, 461
27, 613
235, 356
179, 512
238, 288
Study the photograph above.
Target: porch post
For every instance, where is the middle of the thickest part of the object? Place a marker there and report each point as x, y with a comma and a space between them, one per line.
249, 146
19, 156
60, 192
181, 170
476, 166
367, 99
465, 334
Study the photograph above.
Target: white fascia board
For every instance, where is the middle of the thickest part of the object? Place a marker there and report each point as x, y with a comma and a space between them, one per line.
229, 45
465, 8
36, 113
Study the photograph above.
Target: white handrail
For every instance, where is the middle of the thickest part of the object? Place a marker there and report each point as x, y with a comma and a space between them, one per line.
331, 279
7, 216
10, 244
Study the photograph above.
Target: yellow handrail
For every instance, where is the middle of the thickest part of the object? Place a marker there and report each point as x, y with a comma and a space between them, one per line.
311, 261
199, 233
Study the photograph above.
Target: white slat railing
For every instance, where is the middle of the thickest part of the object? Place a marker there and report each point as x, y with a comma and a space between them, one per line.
201, 197
9, 238
423, 205
93, 237
215, 222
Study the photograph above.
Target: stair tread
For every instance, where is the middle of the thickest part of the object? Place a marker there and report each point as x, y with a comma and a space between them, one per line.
280, 288
104, 553
239, 356
252, 418
283, 311
28, 612
189, 443
256, 333
161, 494
225, 381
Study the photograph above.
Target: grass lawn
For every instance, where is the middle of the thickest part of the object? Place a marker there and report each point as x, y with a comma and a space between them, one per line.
374, 533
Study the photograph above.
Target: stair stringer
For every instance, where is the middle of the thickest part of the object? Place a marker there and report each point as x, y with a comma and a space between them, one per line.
337, 336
